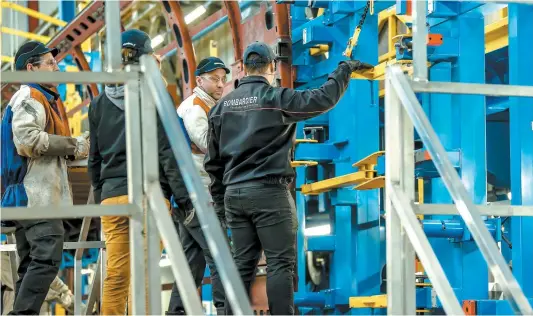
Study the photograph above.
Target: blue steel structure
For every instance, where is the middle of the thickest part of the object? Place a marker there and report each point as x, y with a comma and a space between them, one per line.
489, 140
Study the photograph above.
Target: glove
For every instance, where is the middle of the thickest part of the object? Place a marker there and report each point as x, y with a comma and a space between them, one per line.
82, 146
356, 65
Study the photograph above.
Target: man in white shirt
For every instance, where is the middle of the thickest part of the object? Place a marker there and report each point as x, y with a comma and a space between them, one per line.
211, 76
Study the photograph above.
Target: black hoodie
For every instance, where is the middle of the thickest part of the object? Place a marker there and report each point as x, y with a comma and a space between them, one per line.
107, 157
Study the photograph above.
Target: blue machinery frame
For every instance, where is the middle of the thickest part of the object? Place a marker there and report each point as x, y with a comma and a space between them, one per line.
489, 139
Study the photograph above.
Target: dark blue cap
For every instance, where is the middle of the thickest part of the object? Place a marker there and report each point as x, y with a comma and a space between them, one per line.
139, 42
261, 49
31, 49
209, 64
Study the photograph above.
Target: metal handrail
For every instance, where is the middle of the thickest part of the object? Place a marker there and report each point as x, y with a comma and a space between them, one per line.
231, 280
466, 207
84, 231
423, 248
179, 265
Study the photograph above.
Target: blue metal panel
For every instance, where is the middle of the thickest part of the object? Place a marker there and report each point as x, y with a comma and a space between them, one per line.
521, 122
321, 243
498, 154
316, 152
492, 307
341, 271
470, 67
67, 10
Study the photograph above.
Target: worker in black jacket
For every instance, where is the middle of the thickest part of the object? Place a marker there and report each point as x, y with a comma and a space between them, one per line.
251, 133
107, 166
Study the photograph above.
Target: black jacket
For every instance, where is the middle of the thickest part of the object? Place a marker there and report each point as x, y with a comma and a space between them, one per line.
107, 157
252, 129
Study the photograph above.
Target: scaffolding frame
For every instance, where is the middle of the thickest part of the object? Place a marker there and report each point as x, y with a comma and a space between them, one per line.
403, 115
148, 213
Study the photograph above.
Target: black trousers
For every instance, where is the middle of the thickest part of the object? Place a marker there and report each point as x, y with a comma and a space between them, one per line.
198, 254
263, 217
40, 248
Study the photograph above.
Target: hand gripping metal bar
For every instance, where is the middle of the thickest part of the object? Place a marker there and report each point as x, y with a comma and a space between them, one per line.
466, 207
231, 279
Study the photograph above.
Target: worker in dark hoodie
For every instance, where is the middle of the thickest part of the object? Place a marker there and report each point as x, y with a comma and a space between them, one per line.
107, 166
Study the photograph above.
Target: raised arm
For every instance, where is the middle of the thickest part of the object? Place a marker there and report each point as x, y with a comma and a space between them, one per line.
301, 105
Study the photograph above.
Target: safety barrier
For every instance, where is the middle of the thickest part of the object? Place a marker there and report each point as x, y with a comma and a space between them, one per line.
402, 113
147, 210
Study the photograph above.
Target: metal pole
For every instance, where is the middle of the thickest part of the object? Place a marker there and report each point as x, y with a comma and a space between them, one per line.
466, 207
178, 262
84, 231
150, 168
233, 285
113, 43
95, 286
497, 90
403, 206
400, 284
420, 35
135, 194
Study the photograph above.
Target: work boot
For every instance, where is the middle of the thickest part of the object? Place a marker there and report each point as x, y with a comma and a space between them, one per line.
221, 310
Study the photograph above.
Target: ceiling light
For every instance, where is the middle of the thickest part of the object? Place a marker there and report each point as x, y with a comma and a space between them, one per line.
195, 14
318, 230
156, 41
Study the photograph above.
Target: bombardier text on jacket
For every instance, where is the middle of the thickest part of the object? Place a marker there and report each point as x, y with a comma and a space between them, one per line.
107, 158
252, 129
35, 144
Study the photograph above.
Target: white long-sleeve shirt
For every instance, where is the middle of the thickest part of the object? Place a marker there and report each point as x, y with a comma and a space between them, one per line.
193, 111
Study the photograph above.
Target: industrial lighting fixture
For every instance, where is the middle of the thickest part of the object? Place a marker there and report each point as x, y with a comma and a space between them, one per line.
156, 41
195, 14
318, 230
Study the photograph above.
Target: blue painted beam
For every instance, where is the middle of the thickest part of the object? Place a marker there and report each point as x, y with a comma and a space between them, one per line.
316, 152
449, 228
321, 243
521, 134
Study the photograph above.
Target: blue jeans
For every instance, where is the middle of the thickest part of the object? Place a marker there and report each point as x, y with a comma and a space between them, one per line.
263, 217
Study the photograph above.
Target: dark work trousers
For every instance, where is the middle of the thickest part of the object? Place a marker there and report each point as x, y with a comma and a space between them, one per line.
263, 217
198, 254
40, 248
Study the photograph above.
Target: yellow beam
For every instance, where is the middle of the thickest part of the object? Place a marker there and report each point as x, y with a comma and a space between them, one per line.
35, 37
7, 59
384, 16
303, 140
337, 182
32, 13
303, 163
375, 301
319, 50
420, 182
497, 35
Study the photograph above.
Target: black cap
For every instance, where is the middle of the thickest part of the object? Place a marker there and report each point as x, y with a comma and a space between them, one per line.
209, 64
139, 42
261, 49
31, 49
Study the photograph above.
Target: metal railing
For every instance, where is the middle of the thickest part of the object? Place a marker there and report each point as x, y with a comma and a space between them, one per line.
402, 112
149, 217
